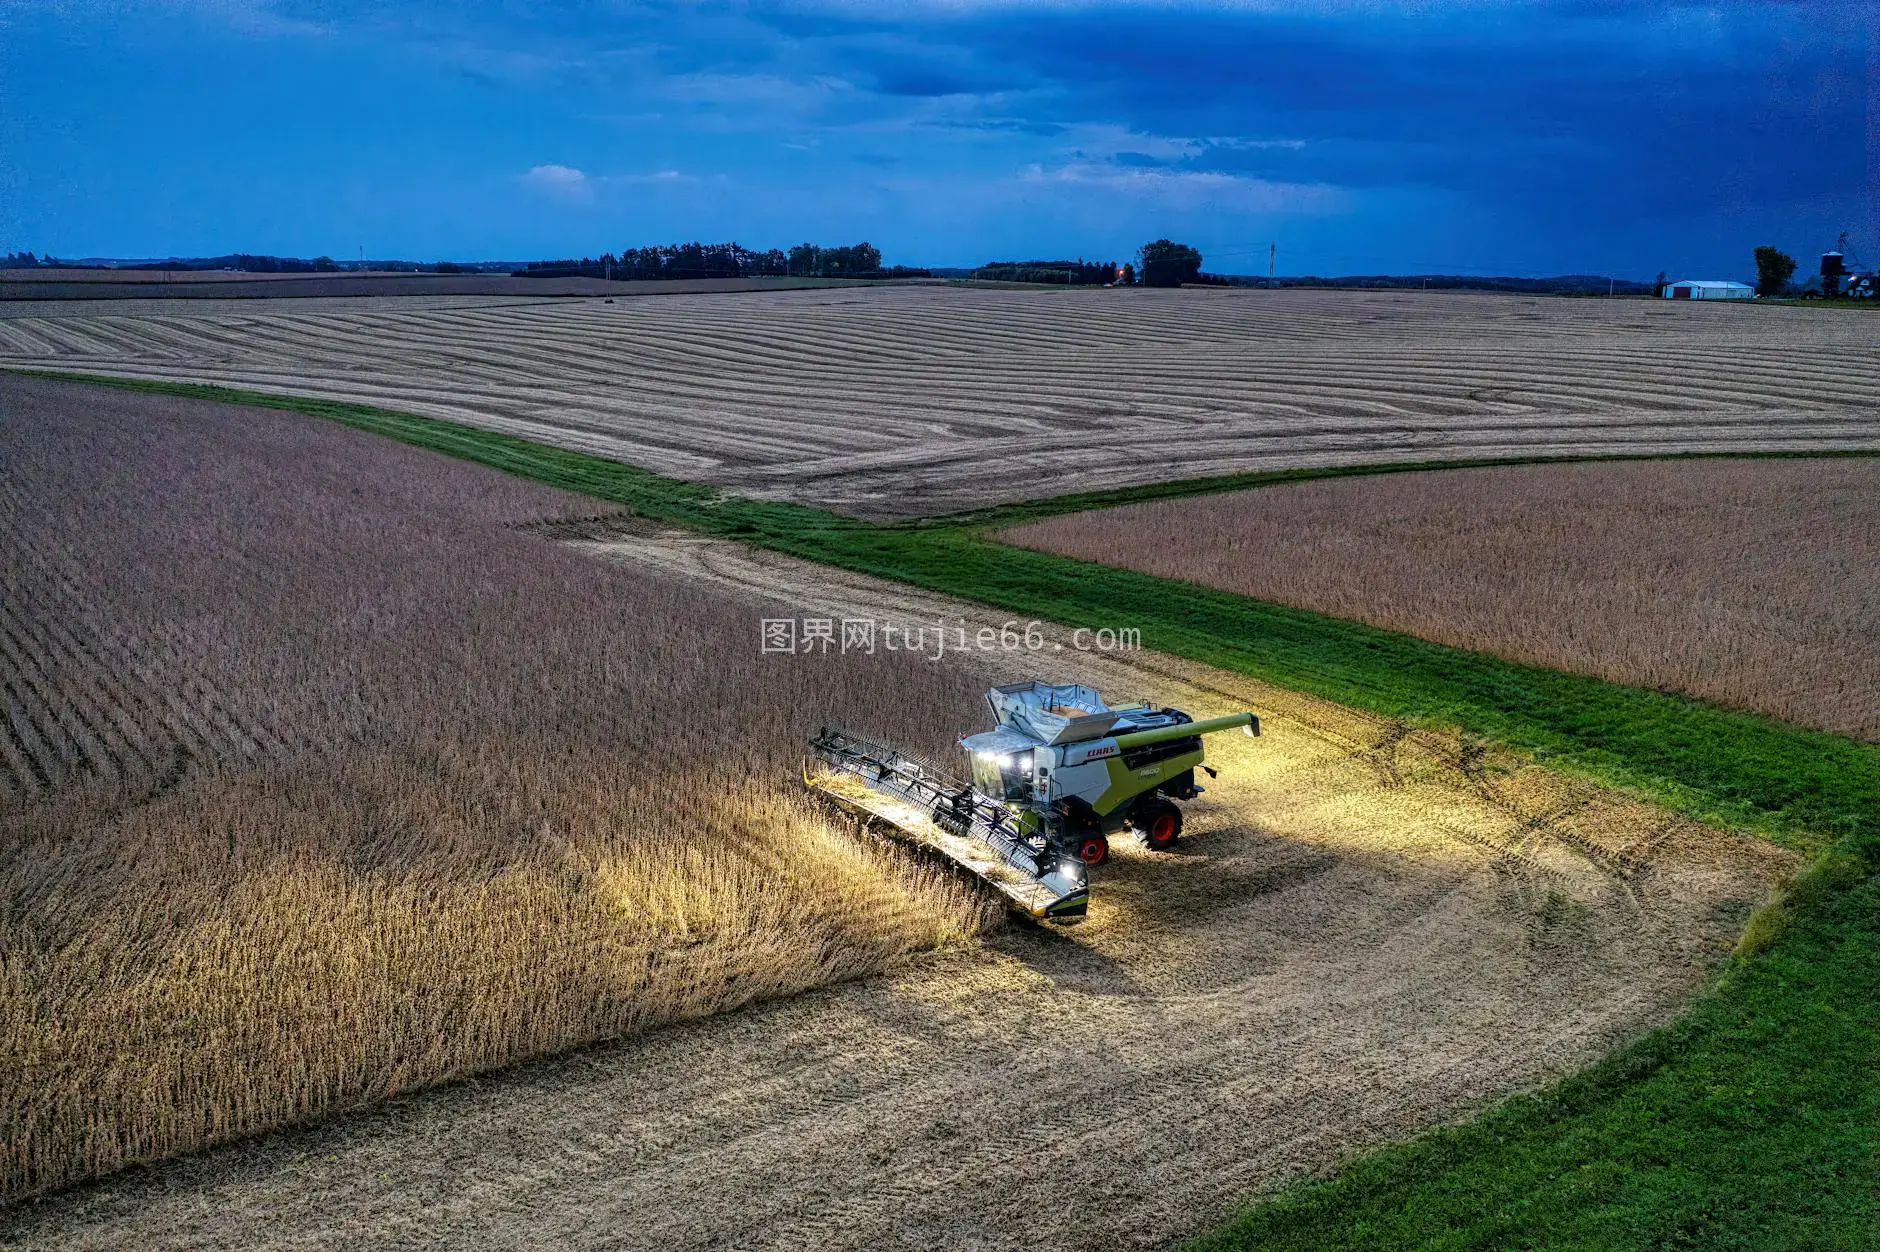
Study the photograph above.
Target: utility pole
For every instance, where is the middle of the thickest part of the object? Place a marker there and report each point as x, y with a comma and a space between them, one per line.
1272, 257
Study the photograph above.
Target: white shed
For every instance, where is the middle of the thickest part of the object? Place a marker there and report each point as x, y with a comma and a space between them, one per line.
1709, 289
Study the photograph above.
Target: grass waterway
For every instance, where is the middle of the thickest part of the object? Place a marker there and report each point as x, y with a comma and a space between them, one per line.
1753, 1122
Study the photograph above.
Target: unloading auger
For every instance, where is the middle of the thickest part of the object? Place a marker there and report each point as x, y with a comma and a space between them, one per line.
1050, 783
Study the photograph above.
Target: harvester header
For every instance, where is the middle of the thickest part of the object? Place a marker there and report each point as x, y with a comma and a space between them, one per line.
1058, 774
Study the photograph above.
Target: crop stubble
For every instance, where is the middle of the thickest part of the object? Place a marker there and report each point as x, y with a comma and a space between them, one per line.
925, 399
1368, 930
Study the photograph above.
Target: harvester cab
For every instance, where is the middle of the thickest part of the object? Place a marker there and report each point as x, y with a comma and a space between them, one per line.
1059, 773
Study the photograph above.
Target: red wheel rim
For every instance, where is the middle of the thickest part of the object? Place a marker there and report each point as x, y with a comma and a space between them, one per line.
1162, 829
1092, 851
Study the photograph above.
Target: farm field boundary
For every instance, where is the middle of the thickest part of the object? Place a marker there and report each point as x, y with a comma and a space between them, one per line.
107, 285
902, 400
1794, 1016
1746, 583
1789, 783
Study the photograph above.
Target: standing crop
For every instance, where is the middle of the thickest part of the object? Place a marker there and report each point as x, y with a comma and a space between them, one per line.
323, 781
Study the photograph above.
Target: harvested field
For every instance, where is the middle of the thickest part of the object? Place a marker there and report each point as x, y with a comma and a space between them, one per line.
320, 782
1367, 931
1751, 583
68, 285
135, 306
157, 274
902, 400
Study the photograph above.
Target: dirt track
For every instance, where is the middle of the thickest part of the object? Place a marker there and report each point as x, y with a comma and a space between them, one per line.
890, 400
1366, 932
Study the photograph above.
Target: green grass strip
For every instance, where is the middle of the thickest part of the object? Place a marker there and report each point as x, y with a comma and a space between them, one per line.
1179, 488
1715, 763
1754, 1122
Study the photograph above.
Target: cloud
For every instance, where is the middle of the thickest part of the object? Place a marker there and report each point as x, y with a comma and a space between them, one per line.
656, 178
1110, 142
1189, 189
563, 181
259, 18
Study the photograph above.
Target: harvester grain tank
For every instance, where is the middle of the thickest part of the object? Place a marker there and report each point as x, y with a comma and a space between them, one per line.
1058, 774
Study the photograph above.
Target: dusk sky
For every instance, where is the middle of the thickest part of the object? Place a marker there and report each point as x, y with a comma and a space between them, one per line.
1513, 138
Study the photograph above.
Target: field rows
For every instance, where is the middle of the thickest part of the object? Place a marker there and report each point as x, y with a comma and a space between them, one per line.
89, 701
320, 781
897, 400
1751, 583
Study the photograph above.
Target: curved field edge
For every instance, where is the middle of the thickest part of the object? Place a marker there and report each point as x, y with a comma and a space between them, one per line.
1673, 1129
1753, 1122
1001, 516
1717, 764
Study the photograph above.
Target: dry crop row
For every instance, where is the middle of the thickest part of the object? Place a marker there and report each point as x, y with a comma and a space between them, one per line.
896, 400
1752, 583
307, 805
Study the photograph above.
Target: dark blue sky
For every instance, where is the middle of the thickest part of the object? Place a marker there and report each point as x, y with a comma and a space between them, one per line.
1520, 138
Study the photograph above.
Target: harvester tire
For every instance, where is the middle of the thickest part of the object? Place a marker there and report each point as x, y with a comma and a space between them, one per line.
1093, 850
1159, 822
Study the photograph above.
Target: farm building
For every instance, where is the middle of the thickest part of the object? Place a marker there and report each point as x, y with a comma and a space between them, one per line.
1709, 289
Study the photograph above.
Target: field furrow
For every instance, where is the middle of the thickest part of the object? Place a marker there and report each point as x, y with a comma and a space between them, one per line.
853, 398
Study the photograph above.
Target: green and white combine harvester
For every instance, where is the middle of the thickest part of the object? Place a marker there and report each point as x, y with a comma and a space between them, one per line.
1060, 773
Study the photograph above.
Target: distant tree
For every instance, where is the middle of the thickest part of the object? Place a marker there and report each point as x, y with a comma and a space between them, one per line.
1773, 271
1070, 273
802, 260
715, 260
1664, 280
1129, 276
1166, 263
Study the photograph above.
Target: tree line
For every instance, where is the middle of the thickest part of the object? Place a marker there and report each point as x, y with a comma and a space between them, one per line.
245, 262
725, 260
1071, 273
1162, 263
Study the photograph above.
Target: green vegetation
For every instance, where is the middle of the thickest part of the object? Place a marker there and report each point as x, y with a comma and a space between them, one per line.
1078, 273
1110, 497
1714, 763
1751, 1123
1773, 271
723, 260
1166, 263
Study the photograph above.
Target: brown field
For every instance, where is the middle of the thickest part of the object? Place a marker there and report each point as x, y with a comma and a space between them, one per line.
157, 274
64, 286
1751, 583
336, 777
321, 782
924, 399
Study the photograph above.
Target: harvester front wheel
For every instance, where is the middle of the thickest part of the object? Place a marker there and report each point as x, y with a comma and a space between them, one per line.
1159, 822
1093, 850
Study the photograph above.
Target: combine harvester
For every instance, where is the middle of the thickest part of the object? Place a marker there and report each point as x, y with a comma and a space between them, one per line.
1060, 773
